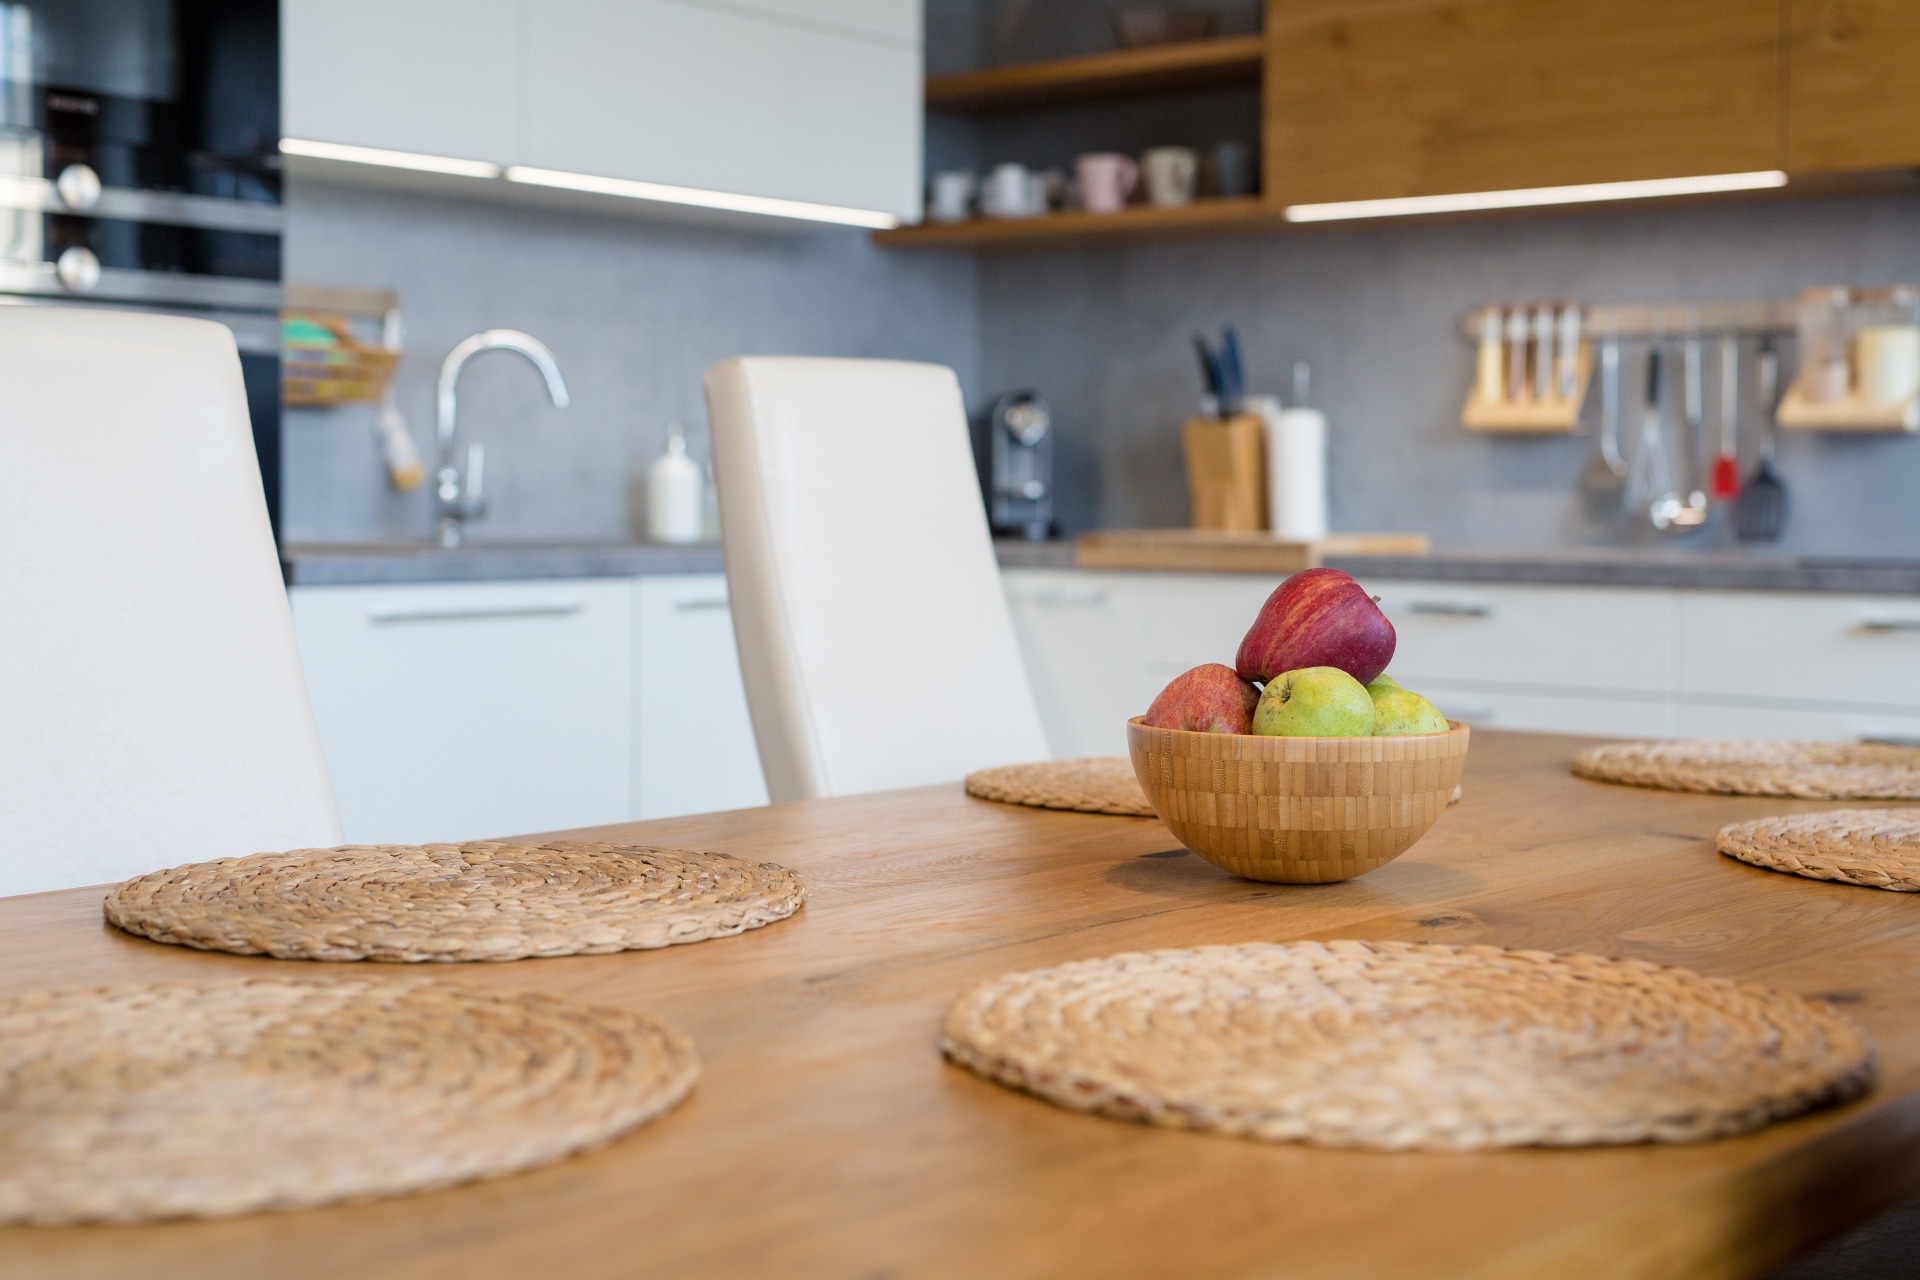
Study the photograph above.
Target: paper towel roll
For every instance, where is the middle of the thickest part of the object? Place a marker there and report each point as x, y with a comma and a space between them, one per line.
1297, 474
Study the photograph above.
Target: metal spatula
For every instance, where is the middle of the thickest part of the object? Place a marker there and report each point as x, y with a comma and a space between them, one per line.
1604, 482
1761, 511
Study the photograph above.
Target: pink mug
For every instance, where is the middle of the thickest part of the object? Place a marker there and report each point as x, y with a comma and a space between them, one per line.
1106, 180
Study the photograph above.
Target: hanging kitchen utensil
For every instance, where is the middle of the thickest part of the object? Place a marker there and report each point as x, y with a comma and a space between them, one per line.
1211, 377
1605, 478
1694, 511
1762, 509
1725, 483
1650, 480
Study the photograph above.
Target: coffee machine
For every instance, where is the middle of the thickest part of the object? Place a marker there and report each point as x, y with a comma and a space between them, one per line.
1019, 467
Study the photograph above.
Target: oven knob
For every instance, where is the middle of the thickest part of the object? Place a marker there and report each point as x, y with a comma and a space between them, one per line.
78, 268
79, 186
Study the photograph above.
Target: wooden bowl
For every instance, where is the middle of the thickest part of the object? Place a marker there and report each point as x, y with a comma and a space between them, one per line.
1297, 810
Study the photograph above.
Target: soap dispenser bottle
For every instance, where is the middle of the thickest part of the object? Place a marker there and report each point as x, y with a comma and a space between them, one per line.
674, 492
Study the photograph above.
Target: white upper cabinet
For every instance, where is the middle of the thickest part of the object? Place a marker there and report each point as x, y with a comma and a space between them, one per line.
430, 76
712, 98
817, 101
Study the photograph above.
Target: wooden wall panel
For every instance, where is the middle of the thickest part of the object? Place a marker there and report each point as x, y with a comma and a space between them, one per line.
1853, 85
1374, 98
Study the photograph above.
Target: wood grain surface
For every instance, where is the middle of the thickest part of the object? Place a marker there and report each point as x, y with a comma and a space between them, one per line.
1188, 64
827, 1137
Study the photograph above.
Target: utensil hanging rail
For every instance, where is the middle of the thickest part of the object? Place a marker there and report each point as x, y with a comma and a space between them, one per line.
1671, 319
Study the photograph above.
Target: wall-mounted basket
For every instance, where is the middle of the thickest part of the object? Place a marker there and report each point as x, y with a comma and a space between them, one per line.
321, 361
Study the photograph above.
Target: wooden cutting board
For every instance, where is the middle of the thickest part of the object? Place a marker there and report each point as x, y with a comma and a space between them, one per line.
1219, 551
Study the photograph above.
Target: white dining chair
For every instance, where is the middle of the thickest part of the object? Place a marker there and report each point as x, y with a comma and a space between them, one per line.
152, 710
873, 630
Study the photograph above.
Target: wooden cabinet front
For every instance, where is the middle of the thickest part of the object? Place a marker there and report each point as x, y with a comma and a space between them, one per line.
1853, 85
1368, 99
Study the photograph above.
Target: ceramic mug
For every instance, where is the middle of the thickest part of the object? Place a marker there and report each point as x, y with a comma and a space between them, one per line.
1171, 173
1233, 169
952, 196
1106, 180
1013, 191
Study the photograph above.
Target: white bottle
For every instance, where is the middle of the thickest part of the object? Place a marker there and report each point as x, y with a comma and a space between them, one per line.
1297, 468
674, 487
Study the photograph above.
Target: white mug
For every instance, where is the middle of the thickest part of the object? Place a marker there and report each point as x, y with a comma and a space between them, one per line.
1888, 360
952, 199
1106, 180
1013, 191
1171, 173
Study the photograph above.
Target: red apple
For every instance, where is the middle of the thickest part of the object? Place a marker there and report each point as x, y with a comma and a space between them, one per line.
1317, 618
1209, 699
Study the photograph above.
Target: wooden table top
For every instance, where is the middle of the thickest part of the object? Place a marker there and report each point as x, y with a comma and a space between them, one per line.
828, 1137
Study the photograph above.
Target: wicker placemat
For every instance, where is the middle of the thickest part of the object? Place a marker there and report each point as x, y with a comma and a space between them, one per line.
202, 1100
1400, 1046
1878, 848
492, 900
1809, 770
1093, 784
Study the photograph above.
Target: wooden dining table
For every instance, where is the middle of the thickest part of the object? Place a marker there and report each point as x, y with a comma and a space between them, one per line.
827, 1136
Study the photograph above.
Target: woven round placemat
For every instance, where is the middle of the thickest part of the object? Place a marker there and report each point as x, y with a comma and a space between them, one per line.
491, 900
1402, 1046
1878, 848
179, 1099
1093, 784
1809, 770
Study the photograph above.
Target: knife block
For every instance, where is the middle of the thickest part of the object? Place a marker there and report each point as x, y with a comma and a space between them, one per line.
1227, 472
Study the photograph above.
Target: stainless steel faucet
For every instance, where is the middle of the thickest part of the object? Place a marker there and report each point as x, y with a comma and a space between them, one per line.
462, 498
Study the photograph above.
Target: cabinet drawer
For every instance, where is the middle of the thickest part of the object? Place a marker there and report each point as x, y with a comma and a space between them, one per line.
1807, 724
1789, 647
694, 749
1551, 638
463, 711
1199, 618
1552, 713
1080, 636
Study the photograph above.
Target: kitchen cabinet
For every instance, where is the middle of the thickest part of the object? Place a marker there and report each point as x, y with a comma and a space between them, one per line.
1433, 96
726, 100
452, 711
804, 100
430, 76
1853, 85
1617, 661
693, 745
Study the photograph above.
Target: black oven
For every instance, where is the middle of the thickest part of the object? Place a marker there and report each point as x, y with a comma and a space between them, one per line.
139, 169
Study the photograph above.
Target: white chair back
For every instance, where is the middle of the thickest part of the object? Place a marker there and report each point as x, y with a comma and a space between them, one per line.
873, 630
152, 710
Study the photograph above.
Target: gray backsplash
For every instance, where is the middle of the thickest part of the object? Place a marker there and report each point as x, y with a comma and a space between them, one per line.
634, 312
1103, 334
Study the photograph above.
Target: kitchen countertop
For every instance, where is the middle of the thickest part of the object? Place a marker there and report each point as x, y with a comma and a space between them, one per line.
1588, 566
359, 564
826, 1136
344, 564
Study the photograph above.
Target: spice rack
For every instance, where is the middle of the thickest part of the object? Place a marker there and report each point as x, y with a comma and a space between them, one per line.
341, 369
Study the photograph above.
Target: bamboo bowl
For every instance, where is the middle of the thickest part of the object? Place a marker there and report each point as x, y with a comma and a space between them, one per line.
1297, 810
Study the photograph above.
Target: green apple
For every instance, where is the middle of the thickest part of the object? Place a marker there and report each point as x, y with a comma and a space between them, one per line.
1397, 712
1381, 684
1314, 702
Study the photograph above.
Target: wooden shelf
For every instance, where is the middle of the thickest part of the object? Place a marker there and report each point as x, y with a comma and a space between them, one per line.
1191, 64
1136, 222
1800, 412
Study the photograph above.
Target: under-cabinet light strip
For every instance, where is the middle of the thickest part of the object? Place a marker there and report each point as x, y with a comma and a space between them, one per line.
389, 159
1462, 202
703, 198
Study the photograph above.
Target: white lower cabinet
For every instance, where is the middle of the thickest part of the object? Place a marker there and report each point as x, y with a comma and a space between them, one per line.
693, 748
1616, 661
456, 711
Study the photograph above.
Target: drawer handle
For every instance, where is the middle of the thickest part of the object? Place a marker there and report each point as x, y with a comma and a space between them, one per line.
692, 603
1451, 609
1063, 595
1892, 739
1468, 713
454, 613
1890, 624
